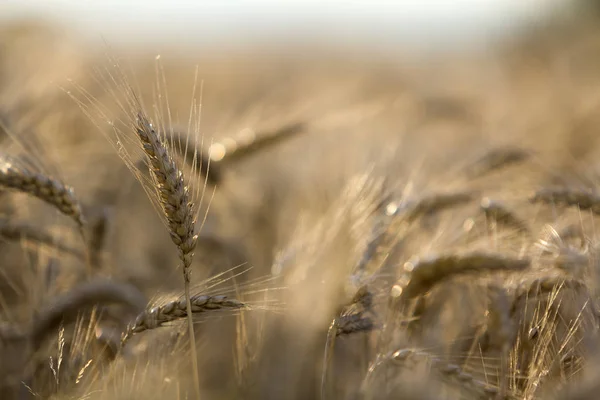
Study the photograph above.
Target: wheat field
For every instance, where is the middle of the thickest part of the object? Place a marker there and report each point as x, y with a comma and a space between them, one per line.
259, 224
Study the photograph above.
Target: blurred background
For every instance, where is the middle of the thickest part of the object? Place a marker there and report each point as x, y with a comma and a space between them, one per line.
352, 23
408, 90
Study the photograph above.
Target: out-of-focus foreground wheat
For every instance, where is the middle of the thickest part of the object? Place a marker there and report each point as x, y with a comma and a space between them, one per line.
423, 229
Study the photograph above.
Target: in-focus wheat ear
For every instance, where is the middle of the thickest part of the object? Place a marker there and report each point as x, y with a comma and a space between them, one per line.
174, 310
172, 192
173, 197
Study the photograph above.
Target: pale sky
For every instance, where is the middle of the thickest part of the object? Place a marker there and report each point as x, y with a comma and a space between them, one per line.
374, 22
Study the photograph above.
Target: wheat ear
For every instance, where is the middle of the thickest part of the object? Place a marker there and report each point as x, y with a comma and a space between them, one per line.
584, 199
388, 230
495, 160
173, 194
234, 149
249, 142
548, 284
436, 202
353, 317
351, 320
174, 199
177, 309
45, 188
421, 274
498, 213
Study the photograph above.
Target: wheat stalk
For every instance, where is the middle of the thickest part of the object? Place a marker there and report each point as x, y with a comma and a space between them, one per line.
172, 192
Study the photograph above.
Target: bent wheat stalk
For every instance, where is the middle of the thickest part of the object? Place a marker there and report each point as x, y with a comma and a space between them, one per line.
97, 239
